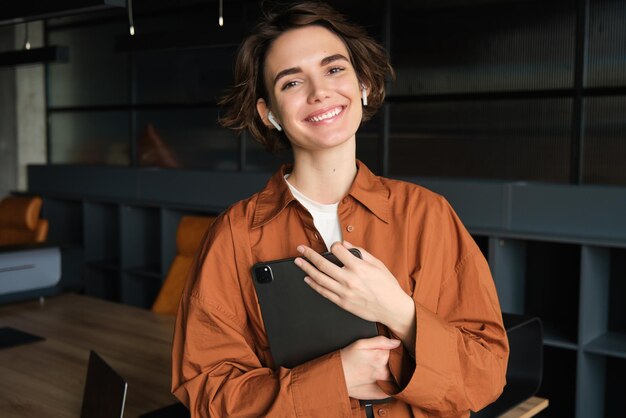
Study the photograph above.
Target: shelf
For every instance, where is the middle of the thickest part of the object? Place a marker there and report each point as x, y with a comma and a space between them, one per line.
106, 265
65, 219
552, 280
102, 240
175, 206
557, 239
615, 386
559, 382
141, 254
139, 290
555, 337
611, 344
152, 271
102, 280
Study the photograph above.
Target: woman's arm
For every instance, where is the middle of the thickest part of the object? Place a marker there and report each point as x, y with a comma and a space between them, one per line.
457, 354
219, 362
217, 373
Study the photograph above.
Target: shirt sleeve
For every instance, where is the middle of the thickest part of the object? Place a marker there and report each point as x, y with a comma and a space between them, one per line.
461, 348
216, 367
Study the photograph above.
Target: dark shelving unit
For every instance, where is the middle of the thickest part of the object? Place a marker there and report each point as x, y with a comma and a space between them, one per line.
102, 249
574, 282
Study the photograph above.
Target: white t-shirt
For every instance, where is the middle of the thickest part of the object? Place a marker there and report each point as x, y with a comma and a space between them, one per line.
325, 217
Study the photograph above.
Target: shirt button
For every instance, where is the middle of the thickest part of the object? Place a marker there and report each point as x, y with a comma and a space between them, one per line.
382, 412
349, 228
317, 236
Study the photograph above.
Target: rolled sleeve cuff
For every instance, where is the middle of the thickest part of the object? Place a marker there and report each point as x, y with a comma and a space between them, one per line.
319, 388
435, 343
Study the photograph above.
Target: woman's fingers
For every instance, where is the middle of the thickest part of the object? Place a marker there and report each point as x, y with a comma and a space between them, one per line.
365, 288
364, 363
342, 253
380, 342
319, 262
365, 255
369, 392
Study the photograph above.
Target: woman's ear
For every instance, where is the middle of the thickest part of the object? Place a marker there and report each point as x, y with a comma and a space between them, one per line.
266, 115
262, 110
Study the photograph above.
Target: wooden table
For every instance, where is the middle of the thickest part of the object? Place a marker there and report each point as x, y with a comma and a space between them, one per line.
46, 378
527, 409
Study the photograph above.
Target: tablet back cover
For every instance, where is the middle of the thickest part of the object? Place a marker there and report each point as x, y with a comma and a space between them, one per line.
301, 324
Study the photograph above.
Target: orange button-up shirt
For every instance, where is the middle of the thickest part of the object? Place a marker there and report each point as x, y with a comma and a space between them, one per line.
222, 365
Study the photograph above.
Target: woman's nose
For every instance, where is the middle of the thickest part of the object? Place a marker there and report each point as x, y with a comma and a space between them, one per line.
318, 91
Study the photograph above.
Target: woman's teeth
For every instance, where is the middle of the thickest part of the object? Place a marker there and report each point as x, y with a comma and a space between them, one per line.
327, 115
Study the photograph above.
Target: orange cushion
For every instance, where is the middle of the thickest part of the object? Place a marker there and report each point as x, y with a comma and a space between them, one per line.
15, 236
169, 296
189, 234
190, 231
20, 212
41, 232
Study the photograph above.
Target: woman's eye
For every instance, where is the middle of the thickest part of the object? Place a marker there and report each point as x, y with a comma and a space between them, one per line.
335, 70
290, 85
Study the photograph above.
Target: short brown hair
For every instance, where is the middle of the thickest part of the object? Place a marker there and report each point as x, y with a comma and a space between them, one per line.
368, 57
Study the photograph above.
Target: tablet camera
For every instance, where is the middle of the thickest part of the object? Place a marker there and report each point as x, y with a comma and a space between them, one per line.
264, 274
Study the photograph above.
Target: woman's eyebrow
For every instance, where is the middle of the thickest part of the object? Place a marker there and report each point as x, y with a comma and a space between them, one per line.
332, 58
288, 71
296, 70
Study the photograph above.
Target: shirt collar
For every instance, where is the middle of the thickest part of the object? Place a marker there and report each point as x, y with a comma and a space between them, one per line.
366, 188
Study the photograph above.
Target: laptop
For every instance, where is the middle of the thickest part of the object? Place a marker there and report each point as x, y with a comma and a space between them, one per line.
300, 323
105, 390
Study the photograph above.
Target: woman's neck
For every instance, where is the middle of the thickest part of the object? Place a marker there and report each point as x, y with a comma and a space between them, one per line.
325, 176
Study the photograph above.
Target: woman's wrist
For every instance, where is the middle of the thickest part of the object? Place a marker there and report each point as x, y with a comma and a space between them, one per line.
402, 321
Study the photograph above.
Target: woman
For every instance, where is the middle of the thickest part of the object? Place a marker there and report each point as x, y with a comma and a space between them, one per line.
306, 78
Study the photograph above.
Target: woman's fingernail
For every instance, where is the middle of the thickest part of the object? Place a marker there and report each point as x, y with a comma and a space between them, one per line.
300, 249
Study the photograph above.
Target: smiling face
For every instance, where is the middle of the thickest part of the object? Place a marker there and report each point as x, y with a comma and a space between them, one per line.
313, 89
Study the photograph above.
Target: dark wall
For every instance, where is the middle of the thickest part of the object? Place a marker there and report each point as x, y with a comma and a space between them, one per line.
515, 90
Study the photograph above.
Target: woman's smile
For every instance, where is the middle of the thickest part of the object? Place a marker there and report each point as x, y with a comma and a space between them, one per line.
325, 116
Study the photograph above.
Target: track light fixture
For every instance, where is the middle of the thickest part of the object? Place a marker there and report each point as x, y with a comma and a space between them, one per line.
26, 41
130, 17
220, 21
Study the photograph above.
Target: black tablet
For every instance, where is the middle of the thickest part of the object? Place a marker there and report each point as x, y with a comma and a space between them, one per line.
300, 323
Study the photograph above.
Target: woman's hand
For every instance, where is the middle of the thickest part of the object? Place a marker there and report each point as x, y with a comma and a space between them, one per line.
363, 287
364, 362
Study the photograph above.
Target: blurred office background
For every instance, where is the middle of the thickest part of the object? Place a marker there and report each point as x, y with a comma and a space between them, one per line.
515, 110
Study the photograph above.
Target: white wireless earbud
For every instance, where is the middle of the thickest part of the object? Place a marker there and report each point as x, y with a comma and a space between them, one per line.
363, 95
270, 116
